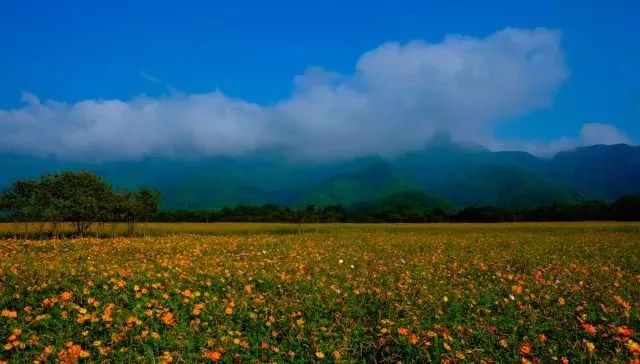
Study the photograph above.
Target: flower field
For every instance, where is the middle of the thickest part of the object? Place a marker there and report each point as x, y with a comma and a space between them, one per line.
327, 293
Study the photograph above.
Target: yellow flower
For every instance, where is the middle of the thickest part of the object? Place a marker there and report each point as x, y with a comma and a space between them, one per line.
166, 358
590, 346
633, 347
9, 313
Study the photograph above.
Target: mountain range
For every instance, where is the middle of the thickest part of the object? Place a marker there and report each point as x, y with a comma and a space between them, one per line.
449, 175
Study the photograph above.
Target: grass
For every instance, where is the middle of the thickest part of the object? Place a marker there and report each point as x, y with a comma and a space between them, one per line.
326, 293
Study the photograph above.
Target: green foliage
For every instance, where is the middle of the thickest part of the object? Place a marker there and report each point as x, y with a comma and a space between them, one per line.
78, 197
22, 199
413, 206
375, 181
408, 199
628, 207
81, 198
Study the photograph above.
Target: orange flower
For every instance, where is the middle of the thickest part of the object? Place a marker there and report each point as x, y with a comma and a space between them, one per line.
622, 302
503, 342
9, 313
106, 315
66, 296
525, 349
72, 352
625, 331
403, 331
413, 338
213, 355
132, 321
589, 329
198, 308
167, 318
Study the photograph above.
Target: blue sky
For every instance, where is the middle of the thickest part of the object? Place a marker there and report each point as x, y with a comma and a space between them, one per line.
118, 50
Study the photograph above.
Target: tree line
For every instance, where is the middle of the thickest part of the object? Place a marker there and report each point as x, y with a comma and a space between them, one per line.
626, 208
79, 198
83, 199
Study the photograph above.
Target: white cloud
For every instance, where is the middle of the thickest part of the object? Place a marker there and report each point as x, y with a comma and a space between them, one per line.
397, 97
598, 133
589, 134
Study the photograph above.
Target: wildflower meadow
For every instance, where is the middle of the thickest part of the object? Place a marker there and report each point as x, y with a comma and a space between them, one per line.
499, 293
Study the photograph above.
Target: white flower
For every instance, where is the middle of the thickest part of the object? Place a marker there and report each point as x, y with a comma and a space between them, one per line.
340, 261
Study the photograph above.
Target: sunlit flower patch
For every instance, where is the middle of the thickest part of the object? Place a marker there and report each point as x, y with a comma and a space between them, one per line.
436, 293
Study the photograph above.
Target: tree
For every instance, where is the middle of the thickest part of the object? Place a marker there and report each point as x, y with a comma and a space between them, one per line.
143, 205
21, 200
628, 207
81, 198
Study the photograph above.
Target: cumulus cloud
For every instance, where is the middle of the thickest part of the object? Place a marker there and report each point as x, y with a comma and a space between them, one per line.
396, 98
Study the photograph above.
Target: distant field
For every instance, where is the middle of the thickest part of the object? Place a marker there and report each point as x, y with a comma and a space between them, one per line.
287, 228
328, 293
164, 228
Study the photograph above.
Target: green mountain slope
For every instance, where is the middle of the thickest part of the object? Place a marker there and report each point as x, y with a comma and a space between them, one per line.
472, 175
506, 186
602, 171
462, 174
408, 200
374, 181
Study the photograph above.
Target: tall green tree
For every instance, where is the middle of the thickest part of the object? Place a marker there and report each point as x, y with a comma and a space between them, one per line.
22, 200
81, 198
140, 206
